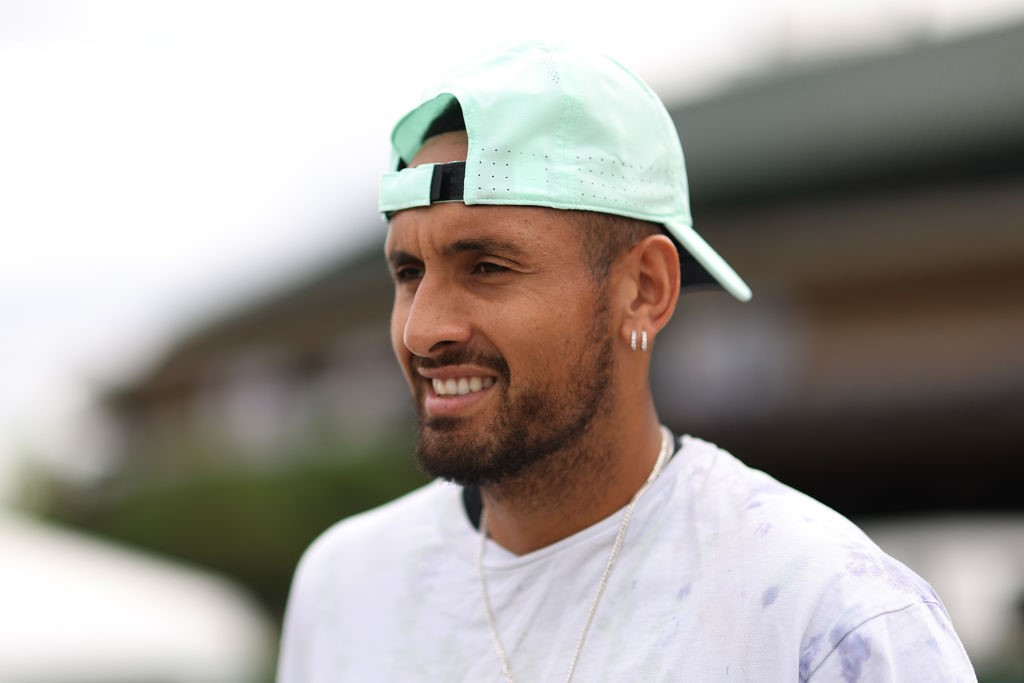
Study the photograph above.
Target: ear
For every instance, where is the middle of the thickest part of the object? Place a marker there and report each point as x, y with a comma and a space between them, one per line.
648, 286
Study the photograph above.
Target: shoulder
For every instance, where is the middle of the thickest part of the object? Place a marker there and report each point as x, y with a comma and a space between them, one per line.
362, 549
728, 495
802, 564
756, 522
383, 530
746, 505
349, 572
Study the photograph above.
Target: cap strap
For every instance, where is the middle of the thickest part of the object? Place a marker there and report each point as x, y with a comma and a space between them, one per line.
422, 185
448, 182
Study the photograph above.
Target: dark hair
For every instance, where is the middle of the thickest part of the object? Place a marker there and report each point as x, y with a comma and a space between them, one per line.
605, 237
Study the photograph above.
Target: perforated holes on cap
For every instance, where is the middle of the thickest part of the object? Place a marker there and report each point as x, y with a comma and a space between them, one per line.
496, 174
552, 71
608, 173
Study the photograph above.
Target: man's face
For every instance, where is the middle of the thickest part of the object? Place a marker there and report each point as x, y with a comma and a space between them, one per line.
503, 336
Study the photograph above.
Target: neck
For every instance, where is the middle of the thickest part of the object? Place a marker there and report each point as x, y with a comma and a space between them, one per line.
575, 488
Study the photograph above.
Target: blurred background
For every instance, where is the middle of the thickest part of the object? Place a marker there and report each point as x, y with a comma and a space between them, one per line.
196, 372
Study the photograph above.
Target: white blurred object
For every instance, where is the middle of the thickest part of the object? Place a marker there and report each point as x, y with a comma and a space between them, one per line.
76, 609
976, 565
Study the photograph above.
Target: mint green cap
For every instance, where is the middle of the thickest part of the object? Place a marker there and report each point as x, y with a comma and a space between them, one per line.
549, 126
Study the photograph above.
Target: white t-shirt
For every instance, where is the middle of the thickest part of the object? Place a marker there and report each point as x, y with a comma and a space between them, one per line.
724, 575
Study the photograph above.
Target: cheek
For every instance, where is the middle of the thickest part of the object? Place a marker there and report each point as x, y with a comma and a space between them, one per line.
545, 339
568, 333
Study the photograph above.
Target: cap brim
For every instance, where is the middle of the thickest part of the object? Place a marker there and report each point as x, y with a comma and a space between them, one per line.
702, 266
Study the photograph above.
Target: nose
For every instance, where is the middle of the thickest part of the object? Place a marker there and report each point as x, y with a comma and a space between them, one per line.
437, 318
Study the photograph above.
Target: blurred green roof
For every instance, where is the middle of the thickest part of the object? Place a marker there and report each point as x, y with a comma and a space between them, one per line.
926, 110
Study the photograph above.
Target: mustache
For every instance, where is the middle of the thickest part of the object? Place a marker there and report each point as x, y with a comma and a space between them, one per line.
464, 357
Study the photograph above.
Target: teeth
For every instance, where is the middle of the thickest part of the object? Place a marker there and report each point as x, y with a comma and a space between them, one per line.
461, 386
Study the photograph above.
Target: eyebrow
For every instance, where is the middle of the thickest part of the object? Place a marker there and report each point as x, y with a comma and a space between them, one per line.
477, 244
486, 244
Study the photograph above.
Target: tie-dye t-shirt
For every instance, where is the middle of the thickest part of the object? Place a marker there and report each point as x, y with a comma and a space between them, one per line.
725, 575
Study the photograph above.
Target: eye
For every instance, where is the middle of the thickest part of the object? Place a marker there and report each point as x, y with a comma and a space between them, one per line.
407, 273
489, 268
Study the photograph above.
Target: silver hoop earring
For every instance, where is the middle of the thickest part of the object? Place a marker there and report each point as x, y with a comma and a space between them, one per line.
632, 340
643, 340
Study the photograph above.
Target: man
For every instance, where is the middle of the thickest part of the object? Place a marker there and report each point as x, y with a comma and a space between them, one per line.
538, 219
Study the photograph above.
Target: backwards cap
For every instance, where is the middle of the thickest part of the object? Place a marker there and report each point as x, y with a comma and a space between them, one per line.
557, 128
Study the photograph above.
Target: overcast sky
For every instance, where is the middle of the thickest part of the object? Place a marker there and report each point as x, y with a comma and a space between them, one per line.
163, 161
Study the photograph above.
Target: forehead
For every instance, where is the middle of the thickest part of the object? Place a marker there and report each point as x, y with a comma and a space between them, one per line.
536, 233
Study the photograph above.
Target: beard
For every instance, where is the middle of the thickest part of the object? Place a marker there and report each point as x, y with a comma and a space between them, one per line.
530, 426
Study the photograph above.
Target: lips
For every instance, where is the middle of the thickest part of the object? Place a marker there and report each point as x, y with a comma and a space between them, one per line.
454, 391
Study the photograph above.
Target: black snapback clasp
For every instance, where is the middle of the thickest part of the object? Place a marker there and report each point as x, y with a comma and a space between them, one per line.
448, 181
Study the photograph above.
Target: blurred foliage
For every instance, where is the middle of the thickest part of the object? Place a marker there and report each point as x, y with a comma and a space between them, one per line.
248, 521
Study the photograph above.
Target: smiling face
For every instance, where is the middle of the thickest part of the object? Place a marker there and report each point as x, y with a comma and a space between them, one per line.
503, 335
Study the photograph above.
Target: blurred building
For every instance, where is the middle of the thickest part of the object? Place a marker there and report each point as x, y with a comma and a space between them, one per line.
876, 207
314, 362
